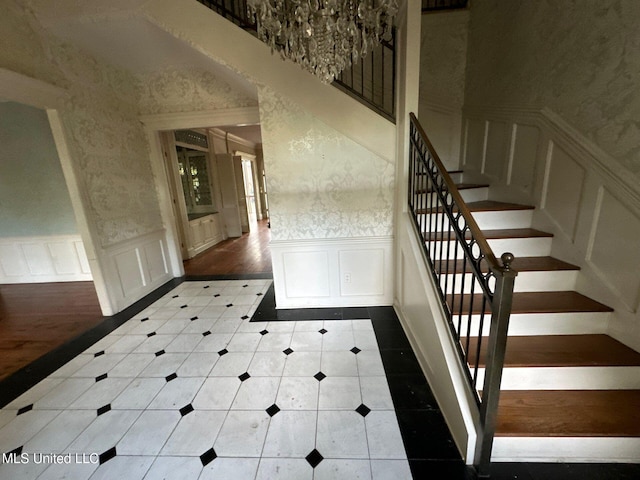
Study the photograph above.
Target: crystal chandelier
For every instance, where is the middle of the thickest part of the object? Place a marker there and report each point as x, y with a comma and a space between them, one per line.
324, 36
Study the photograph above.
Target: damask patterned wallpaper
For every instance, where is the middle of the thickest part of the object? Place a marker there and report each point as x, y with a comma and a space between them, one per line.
321, 184
106, 140
580, 58
186, 90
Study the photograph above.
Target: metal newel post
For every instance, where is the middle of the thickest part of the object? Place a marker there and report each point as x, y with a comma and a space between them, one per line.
500, 312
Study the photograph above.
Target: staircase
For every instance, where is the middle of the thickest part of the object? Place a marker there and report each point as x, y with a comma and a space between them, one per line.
569, 391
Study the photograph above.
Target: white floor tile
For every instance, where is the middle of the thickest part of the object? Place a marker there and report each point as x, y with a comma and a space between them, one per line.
309, 326
23, 427
22, 471
70, 471
198, 364
195, 433
256, 393
244, 342
63, 394
339, 393
60, 432
72, 366
365, 340
174, 326
132, 365
247, 327
338, 339
291, 434
232, 365
298, 393
284, 469
164, 365
213, 310
184, 343
362, 325
7, 415
99, 365
177, 393
274, 342
302, 364
32, 395
169, 468
369, 363
126, 343
341, 434
104, 432
138, 394
267, 364
306, 341
232, 468
199, 325
375, 393
242, 434
227, 324
101, 393
149, 433
104, 343
331, 469
154, 344
282, 327
342, 364
217, 393
213, 342
124, 467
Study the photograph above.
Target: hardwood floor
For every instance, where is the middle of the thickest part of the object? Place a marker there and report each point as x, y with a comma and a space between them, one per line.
246, 254
36, 318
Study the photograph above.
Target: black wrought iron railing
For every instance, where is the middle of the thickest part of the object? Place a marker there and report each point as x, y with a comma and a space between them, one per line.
476, 291
371, 80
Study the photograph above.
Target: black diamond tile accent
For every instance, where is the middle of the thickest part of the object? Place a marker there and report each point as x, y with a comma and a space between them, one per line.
144, 319
264, 332
356, 350
186, 410
208, 332
272, 410
184, 306
229, 305
259, 294
244, 317
244, 376
319, 376
99, 378
216, 295
152, 334
193, 318
222, 352
314, 458
16, 451
207, 457
98, 354
25, 409
173, 376
161, 352
288, 351
363, 410
322, 331
206, 286
104, 409
245, 286
106, 456
175, 296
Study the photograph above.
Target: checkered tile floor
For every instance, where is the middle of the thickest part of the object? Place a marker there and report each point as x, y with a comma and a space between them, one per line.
190, 389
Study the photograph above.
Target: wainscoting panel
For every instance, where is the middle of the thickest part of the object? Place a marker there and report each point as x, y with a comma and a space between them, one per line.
341, 272
205, 232
475, 147
562, 189
523, 158
136, 267
497, 137
59, 258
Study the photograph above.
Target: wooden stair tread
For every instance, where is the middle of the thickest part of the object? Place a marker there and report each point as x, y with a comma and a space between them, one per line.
538, 302
562, 351
569, 413
459, 186
520, 264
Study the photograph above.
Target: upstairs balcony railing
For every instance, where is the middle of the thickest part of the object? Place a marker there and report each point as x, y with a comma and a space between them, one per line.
371, 80
474, 288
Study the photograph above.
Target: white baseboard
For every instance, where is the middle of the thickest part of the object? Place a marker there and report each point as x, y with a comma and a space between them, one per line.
56, 258
344, 272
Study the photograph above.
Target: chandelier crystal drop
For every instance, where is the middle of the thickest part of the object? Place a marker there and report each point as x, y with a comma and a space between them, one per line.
323, 36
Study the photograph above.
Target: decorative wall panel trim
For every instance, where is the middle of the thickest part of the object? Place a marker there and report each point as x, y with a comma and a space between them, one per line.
59, 258
204, 118
342, 272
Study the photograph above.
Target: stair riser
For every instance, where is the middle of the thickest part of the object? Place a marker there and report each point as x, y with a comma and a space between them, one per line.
520, 247
525, 282
566, 449
546, 324
568, 378
468, 195
485, 220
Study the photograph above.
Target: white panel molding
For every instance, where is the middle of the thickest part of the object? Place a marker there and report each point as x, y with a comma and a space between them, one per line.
57, 258
136, 267
602, 176
322, 266
203, 118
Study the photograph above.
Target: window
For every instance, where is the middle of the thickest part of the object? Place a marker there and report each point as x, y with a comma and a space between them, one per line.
195, 176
